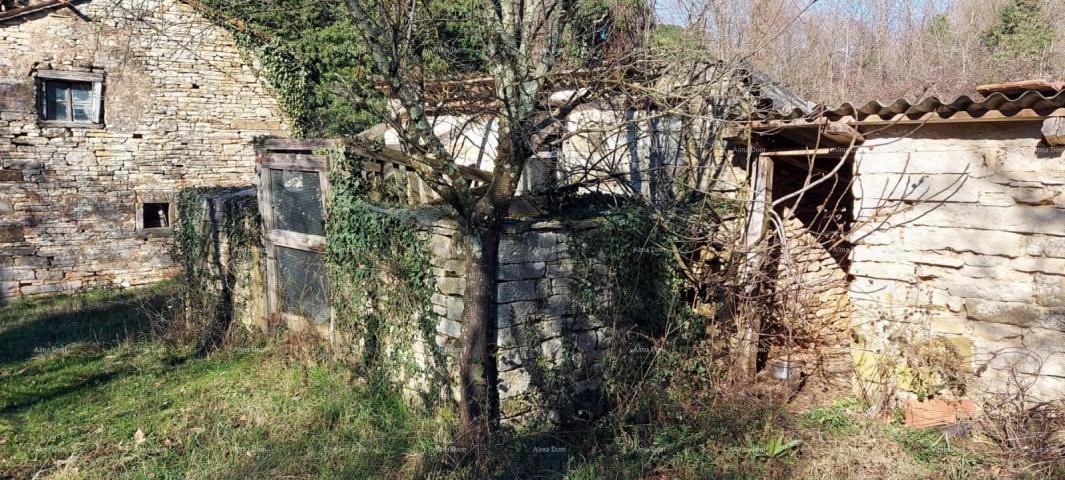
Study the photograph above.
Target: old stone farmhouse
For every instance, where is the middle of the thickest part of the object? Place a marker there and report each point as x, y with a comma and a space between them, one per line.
108, 108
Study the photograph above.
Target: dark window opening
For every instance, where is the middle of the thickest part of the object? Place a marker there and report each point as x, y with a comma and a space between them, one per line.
67, 101
826, 210
155, 215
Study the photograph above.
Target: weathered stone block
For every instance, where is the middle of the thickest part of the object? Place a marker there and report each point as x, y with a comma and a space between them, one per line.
10, 175
11, 234
893, 271
949, 324
449, 327
1052, 266
451, 285
516, 291
992, 289
1050, 290
998, 332
529, 247
1034, 196
522, 271
964, 240
514, 382
517, 313
1053, 247
1019, 314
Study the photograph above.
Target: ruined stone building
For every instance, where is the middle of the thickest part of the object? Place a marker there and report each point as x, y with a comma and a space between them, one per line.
949, 231
109, 108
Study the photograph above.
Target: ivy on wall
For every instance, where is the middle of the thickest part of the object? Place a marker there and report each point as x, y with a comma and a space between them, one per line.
208, 300
381, 279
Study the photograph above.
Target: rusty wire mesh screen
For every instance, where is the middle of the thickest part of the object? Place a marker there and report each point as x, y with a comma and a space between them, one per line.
296, 200
301, 276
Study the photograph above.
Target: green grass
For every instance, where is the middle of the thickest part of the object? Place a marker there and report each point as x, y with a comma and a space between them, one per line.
85, 377
80, 376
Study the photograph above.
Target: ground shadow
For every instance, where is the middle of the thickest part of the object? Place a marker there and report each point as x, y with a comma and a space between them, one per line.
54, 324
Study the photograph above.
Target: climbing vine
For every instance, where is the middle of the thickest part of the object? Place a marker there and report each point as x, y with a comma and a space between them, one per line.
624, 258
209, 303
381, 278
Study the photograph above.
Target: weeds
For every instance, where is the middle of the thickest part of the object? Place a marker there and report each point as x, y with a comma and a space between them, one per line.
776, 447
286, 410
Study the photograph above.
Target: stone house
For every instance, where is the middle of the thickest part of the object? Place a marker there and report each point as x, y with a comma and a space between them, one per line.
108, 108
951, 231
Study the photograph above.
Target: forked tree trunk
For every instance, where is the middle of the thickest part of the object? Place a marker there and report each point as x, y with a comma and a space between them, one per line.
479, 404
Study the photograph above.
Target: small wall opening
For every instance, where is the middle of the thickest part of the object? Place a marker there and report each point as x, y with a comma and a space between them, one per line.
155, 215
825, 210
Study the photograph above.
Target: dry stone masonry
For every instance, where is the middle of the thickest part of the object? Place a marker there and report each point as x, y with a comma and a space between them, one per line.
963, 237
546, 346
181, 106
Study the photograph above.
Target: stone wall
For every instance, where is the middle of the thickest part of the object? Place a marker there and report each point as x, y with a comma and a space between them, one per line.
223, 257
963, 238
181, 106
548, 351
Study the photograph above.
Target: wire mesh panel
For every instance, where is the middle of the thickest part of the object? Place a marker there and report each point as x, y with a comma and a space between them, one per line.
301, 278
296, 201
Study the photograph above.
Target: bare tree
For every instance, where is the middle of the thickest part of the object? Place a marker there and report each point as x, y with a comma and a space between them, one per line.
523, 47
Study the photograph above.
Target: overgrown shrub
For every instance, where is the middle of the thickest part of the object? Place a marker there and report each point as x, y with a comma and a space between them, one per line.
210, 270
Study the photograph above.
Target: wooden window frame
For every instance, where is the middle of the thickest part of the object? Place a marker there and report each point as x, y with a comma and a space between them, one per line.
96, 116
289, 155
144, 198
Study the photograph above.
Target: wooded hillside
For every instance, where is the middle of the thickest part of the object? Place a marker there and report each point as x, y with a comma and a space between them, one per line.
831, 51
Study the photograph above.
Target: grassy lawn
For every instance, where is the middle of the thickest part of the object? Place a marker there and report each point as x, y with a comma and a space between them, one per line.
87, 391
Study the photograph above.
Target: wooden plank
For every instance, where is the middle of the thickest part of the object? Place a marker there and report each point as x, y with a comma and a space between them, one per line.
391, 155
69, 124
756, 250
266, 211
323, 177
413, 192
1021, 86
808, 152
71, 76
295, 144
18, 12
760, 199
299, 241
295, 161
425, 192
373, 132
272, 290
266, 204
842, 133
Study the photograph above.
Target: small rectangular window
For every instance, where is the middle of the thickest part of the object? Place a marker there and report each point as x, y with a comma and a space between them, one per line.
155, 215
70, 98
68, 101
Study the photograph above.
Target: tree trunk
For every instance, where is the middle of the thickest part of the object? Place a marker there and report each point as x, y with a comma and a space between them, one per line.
479, 404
